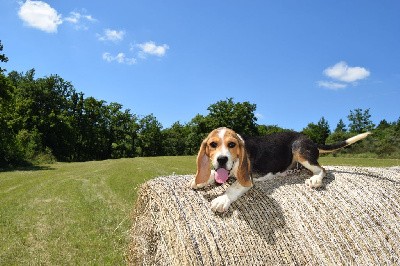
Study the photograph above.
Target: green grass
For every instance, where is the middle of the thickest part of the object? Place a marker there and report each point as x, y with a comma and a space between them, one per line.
79, 213
74, 213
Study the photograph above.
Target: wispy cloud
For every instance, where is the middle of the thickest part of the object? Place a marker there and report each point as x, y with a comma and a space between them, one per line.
331, 85
145, 49
259, 115
343, 75
151, 48
119, 58
40, 15
80, 19
112, 35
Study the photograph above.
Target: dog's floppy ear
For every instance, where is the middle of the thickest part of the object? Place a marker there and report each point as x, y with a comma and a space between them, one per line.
203, 164
244, 169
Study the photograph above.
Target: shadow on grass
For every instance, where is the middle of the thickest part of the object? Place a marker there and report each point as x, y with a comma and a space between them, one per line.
26, 168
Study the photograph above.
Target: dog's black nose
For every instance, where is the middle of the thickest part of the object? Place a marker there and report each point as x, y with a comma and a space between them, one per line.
222, 160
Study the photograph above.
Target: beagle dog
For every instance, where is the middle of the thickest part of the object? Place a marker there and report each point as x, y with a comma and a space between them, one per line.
260, 157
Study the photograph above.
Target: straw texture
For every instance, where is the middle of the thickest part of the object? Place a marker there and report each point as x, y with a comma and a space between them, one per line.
354, 219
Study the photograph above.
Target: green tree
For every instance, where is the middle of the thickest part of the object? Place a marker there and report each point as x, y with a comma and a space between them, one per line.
9, 150
3, 57
25, 116
174, 140
149, 137
360, 121
198, 128
386, 139
318, 132
340, 127
95, 130
44, 105
123, 127
237, 116
383, 125
266, 130
8, 147
77, 114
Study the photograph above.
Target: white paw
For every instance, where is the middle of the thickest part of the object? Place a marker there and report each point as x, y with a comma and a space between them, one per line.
221, 204
193, 185
314, 181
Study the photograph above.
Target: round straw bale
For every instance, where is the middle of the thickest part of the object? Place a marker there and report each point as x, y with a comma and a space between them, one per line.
354, 219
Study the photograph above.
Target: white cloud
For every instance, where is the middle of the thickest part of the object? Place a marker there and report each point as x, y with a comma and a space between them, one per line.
112, 35
119, 58
331, 85
342, 76
79, 19
145, 49
342, 72
40, 15
76, 17
150, 48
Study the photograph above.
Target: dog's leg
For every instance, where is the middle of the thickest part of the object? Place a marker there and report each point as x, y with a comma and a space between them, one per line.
222, 203
266, 177
306, 153
318, 174
210, 181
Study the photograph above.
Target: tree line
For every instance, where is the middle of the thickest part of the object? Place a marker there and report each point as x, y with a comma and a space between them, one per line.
46, 119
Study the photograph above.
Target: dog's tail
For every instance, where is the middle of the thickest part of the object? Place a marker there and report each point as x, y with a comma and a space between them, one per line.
341, 144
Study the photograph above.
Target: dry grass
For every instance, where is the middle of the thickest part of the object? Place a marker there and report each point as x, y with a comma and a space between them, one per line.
353, 219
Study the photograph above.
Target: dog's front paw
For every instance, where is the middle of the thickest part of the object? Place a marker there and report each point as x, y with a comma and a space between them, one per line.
193, 185
220, 204
314, 181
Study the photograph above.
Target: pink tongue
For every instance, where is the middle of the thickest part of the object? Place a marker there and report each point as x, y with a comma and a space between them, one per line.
221, 175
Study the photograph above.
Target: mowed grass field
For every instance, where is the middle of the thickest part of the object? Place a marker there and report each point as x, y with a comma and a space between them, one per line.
80, 213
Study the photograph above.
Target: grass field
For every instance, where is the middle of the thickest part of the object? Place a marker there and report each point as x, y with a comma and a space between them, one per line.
79, 213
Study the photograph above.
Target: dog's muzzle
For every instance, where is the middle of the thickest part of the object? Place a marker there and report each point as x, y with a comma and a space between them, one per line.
221, 172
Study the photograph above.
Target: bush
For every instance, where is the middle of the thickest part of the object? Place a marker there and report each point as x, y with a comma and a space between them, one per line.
30, 145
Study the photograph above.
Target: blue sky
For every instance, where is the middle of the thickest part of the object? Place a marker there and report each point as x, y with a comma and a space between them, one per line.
297, 60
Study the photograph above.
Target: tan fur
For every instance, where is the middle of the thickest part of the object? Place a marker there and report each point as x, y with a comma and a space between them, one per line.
203, 169
207, 154
243, 172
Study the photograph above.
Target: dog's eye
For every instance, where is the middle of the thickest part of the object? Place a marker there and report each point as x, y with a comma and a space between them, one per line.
231, 144
213, 144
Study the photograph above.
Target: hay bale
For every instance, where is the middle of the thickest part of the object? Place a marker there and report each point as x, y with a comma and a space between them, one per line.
353, 219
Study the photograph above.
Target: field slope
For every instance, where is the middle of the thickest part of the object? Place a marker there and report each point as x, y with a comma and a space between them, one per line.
74, 213
79, 213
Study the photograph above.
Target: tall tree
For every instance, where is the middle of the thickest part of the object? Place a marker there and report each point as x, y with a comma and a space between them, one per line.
95, 130
360, 121
9, 151
340, 127
3, 57
237, 116
318, 132
383, 124
149, 139
174, 139
123, 131
198, 129
44, 105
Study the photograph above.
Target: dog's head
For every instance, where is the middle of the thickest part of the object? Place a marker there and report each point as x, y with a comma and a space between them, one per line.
224, 149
